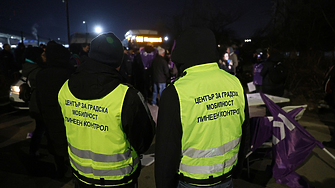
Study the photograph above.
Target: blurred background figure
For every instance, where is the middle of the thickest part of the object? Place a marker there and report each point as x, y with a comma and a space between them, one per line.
7, 65
143, 80
75, 59
274, 73
18, 54
232, 60
48, 83
223, 62
85, 48
160, 74
32, 65
257, 68
126, 67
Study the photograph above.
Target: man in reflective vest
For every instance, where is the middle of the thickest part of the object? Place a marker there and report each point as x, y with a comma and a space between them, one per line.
108, 125
203, 122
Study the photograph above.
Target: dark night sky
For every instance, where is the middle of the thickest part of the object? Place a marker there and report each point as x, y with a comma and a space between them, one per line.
48, 17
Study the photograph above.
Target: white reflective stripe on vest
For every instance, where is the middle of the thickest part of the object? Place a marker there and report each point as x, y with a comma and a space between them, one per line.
117, 172
221, 150
208, 169
87, 154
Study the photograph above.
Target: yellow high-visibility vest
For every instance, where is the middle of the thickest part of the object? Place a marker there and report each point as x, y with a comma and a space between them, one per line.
98, 148
212, 113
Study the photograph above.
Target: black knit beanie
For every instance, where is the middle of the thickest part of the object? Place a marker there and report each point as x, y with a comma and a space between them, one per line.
107, 48
194, 46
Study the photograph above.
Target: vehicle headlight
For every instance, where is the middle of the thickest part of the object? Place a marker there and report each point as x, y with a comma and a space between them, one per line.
15, 89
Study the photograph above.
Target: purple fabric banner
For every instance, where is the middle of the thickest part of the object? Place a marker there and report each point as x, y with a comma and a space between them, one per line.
261, 131
261, 128
292, 144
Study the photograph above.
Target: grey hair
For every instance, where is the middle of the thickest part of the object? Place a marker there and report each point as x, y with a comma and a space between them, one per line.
161, 51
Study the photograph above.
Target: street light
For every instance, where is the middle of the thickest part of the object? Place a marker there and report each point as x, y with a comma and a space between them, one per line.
98, 29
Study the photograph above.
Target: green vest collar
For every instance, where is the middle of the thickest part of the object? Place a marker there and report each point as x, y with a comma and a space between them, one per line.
202, 67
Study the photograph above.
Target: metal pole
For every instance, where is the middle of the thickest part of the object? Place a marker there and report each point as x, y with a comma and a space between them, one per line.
67, 20
86, 32
331, 155
22, 37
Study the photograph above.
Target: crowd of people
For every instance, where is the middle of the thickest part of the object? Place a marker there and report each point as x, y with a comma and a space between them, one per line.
91, 103
83, 96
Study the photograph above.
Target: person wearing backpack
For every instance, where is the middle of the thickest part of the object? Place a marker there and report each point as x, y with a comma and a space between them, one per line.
33, 63
274, 74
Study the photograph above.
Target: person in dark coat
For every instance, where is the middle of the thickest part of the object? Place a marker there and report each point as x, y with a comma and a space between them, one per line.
160, 74
268, 85
32, 65
7, 65
97, 78
85, 48
18, 53
126, 67
75, 59
194, 53
138, 72
145, 57
257, 68
49, 81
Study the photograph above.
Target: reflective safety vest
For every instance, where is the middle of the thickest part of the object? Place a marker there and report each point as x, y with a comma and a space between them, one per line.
212, 113
99, 151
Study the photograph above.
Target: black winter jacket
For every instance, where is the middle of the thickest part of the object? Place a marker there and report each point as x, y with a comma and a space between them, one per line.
160, 70
268, 86
169, 127
30, 70
94, 80
49, 81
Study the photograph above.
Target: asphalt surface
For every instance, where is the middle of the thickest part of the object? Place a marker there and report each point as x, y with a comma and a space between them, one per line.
17, 170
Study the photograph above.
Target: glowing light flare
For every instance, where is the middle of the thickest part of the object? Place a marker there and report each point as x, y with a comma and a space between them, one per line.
15, 89
139, 39
98, 29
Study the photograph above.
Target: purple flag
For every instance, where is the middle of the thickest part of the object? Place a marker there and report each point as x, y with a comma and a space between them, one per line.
261, 131
261, 128
291, 145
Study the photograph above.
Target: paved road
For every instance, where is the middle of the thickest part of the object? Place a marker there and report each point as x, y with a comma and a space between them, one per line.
16, 170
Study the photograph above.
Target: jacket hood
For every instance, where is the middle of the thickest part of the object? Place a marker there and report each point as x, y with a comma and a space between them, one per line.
194, 46
94, 80
57, 55
230, 50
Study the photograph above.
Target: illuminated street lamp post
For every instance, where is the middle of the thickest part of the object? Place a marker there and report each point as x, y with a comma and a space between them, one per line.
84, 22
67, 19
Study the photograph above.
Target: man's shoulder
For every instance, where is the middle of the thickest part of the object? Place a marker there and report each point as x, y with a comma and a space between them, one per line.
132, 91
161, 59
